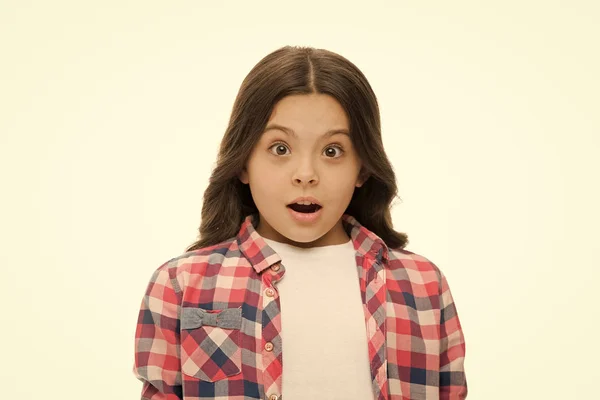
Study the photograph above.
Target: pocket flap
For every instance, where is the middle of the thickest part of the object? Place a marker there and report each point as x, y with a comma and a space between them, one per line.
194, 317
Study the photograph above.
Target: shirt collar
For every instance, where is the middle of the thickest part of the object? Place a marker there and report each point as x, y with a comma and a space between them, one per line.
262, 256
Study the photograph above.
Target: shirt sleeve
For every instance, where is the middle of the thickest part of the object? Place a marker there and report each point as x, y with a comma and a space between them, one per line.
157, 352
453, 382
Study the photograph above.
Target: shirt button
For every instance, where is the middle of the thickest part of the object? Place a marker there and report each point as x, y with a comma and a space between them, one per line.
275, 267
269, 346
273, 397
270, 292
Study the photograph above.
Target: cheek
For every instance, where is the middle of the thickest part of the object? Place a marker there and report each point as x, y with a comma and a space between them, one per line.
343, 178
265, 186
339, 190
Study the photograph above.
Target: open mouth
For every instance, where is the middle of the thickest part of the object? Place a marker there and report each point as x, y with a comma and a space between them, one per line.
305, 209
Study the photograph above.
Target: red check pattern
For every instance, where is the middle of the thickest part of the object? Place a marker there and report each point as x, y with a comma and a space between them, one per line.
416, 345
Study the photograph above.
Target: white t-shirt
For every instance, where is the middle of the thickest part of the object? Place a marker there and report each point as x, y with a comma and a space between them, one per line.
320, 287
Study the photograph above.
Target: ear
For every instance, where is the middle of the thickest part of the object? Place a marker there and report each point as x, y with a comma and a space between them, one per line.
362, 178
243, 176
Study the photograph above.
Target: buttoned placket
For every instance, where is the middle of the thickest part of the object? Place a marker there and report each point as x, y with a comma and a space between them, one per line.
375, 283
270, 295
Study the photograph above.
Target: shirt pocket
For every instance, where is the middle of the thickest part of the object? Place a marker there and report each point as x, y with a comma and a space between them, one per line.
210, 343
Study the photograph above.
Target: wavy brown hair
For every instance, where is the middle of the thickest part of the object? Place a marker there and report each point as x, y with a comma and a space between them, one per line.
293, 70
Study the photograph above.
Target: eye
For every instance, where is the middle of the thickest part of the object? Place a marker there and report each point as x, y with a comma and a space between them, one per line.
278, 146
335, 147
282, 146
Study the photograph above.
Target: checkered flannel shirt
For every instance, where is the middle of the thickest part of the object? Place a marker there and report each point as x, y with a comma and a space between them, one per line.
209, 323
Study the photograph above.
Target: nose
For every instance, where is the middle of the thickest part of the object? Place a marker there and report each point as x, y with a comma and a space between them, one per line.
300, 181
305, 175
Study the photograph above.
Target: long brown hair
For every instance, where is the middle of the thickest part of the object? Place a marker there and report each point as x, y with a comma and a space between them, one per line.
299, 70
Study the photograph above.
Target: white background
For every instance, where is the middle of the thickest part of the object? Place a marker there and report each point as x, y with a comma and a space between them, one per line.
111, 114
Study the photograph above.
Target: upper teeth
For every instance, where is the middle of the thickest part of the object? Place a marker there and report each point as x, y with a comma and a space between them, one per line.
305, 203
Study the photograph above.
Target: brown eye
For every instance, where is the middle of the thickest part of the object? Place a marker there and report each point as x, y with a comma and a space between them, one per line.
279, 147
329, 152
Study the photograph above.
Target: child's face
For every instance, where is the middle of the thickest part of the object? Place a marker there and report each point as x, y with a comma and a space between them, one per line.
282, 167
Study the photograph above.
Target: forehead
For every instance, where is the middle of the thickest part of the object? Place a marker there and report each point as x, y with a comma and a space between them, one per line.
312, 112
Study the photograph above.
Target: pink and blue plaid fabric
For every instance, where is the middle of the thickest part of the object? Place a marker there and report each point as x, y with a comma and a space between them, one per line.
209, 323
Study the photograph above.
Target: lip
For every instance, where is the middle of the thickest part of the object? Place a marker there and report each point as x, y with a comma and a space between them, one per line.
303, 217
306, 198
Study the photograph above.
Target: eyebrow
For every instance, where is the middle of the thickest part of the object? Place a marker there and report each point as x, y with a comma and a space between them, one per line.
290, 132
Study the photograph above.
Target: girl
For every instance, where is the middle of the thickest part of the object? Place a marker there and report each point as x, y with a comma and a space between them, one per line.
297, 256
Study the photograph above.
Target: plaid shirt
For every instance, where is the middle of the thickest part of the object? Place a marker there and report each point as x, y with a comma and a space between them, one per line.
209, 324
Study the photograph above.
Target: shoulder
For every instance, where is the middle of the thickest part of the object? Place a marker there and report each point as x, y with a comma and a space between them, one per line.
199, 261
418, 269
